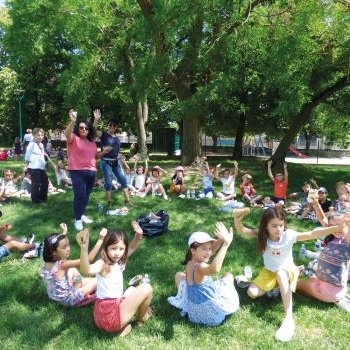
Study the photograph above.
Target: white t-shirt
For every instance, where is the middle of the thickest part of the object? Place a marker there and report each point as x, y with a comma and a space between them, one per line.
207, 180
140, 180
280, 254
228, 185
111, 286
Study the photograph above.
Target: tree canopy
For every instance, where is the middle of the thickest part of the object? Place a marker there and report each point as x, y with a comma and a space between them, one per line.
224, 67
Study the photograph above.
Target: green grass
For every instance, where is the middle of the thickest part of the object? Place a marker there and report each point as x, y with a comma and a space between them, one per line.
30, 321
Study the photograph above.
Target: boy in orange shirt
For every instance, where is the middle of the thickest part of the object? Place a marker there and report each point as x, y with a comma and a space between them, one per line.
280, 182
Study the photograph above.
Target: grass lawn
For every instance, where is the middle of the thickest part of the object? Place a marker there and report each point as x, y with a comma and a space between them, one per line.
29, 320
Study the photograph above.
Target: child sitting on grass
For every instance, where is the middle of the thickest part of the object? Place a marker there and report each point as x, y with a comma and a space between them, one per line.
177, 184
63, 281
329, 284
228, 182
153, 182
204, 300
248, 191
114, 309
280, 184
275, 244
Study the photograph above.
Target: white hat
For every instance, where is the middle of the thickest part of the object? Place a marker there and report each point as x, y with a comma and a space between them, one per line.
199, 237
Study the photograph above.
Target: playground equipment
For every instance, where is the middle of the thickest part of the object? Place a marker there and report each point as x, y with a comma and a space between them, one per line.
254, 146
295, 151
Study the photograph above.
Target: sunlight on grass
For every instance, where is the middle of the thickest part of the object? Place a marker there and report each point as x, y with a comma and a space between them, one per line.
30, 321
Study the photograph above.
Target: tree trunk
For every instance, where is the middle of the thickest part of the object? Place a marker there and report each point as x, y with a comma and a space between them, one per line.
142, 118
191, 145
297, 122
238, 148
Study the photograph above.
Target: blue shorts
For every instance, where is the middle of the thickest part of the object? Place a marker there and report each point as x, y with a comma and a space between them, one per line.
4, 252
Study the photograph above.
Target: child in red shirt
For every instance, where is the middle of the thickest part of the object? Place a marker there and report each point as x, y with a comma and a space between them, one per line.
280, 182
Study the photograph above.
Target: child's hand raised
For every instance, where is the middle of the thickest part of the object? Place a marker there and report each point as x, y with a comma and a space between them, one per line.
82, 238
223, 233
63, 228
102, 234
241, 212
137, 229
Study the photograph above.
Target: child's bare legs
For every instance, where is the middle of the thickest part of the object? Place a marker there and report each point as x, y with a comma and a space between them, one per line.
89, 285
19, 246
228, 277
286, 331
162, 191
147, 189
327, 293
255, 292
286, 293
12, 243
137, 302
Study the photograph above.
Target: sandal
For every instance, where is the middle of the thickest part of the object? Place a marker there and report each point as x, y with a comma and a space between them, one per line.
130, 203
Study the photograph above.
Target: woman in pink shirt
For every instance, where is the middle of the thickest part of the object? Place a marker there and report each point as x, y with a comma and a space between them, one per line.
82, 154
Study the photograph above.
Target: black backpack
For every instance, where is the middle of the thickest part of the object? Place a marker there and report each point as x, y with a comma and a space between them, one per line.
154, 227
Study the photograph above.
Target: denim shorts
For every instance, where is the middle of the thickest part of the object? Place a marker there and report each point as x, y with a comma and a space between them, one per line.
4, 252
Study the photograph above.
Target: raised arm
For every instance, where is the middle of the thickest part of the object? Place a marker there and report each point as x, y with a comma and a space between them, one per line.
285, 171
86, 267
216, 173
225, 237
269, 172
321, 216
320, 232
146, 167
235, 172
70, 127
238, 215
97, 117
137, 238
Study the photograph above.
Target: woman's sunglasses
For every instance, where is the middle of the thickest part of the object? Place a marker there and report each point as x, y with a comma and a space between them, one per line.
83, 128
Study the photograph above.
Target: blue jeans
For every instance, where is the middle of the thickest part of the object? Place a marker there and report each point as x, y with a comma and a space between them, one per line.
83, 182
108, 170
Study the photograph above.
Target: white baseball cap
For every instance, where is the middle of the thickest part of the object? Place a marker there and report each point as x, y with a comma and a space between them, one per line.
199, 237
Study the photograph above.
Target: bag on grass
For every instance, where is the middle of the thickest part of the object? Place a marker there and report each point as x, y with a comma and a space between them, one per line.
154, 224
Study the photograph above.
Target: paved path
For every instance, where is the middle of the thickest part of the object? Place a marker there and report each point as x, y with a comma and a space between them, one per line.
315, 160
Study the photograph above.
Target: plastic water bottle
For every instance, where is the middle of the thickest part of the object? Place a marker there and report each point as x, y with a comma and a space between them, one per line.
318, 245
302, 252
193, 194
153, 191
248, 273
100, 208
146, 279
188, 194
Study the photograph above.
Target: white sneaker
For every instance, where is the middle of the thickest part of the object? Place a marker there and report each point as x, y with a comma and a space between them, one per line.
286, 331
78, 224
86, 220
165, 197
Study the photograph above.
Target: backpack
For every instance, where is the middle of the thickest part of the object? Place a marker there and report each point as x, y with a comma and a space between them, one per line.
154, 227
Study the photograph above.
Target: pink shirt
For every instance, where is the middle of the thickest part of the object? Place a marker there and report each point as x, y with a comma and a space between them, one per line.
81, 154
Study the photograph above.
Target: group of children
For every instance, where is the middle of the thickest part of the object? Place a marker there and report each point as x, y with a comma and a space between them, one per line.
204, 300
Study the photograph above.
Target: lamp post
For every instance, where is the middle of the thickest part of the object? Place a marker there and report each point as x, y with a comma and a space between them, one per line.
20, 98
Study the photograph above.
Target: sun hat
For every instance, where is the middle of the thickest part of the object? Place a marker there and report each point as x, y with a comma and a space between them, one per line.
199, 237
179, 168
322, 189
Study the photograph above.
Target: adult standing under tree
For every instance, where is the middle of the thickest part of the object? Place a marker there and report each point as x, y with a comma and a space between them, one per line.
109, 161
35, 159
82, 154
